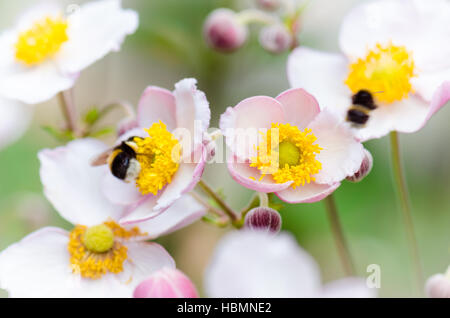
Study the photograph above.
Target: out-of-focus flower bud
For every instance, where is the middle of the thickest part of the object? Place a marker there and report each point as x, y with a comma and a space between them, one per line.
364, 170
438, 286
166, 283
270, 5
275, 38
223, 31
263, 218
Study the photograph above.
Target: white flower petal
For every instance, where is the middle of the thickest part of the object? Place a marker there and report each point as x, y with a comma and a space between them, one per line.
118, 191
322, 75
39, 266
350, 287
96, 29
426, 84
183, 212
421, 26
257, 264
14, 120
73, 186
341, 154
407, 116
33, 85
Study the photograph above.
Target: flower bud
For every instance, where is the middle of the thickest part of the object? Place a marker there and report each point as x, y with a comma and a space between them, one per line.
126, 125
438, 286
263, 218
364, 170
166, 283
223, 31
269, 5
275, 38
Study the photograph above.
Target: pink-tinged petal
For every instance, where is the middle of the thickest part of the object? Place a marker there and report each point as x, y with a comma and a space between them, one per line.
300, 107
14, 120
157, 104
309, 193
438, 286
166, 283
119, 192
142, 210
192, 110
321, 74
73, 186
250, 263
426, 84
183, 212
440, 98
408, 115
94, 30
351, 287
421, 26
184, 180
242, 124
341, 155
250, 177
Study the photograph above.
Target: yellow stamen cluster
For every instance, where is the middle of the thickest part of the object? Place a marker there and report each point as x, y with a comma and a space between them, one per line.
159, 156
98, 250
385, 71
290, 157
41, 41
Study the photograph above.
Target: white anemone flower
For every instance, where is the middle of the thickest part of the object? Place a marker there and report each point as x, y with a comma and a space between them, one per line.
100, 257
398, 50
46, 50
259, 264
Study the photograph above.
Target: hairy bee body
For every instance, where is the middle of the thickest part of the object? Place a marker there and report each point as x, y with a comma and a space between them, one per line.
362, 104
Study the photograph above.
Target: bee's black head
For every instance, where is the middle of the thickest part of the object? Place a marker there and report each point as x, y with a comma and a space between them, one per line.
364, 98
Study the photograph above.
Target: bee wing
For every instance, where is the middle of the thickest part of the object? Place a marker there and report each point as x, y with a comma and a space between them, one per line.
102, 159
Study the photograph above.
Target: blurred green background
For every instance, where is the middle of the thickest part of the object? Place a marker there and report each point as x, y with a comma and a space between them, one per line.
168, 47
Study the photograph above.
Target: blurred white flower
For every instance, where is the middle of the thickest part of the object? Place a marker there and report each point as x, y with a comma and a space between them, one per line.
44, 53
100, 257
398, 50
250, 263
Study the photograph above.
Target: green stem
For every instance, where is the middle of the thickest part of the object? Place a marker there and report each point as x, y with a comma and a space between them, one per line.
211, 193
402, 192
338, 234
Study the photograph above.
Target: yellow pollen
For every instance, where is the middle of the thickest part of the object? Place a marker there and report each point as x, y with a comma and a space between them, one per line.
98, 250
41, 41
385, 71
159, 156
290, 157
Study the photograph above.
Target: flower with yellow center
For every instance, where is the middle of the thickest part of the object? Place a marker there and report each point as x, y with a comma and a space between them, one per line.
158, 156
41, 41
386, 72
98, 250
290, 157
44, 54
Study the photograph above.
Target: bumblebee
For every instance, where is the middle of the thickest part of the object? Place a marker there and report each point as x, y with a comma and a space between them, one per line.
121, 160
362, 104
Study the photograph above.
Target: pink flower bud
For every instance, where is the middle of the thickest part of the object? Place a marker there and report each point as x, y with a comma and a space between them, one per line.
166, 283
364, 170
438, 286
262, 218
275, 38
223, 31
270, 5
